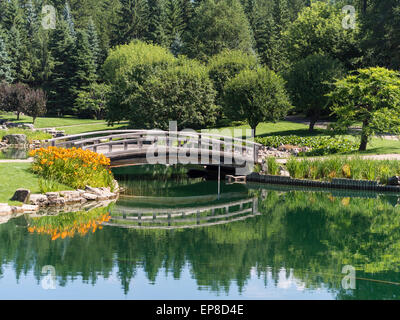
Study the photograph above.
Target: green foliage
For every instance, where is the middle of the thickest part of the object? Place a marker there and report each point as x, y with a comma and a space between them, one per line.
309, 80
272, 166
91, 102
226, 65
49, 185
126, 69
5, 62
370, 96
256, 95
182, 92
339, 167
218, 25
318, 29
320, 145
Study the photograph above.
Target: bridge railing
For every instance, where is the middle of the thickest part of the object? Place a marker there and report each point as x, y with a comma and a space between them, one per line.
145, 138
201, 216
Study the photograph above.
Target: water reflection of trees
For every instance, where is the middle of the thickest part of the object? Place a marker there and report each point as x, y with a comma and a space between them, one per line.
312, 234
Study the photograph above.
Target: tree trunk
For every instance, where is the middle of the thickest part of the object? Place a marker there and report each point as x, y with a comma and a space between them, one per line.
364, 137
33, 120
17, 115
313, 120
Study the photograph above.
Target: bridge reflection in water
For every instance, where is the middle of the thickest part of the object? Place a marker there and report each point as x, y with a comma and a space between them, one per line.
186, 217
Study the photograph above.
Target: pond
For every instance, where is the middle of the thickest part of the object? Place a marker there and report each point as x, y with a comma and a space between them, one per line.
252, 242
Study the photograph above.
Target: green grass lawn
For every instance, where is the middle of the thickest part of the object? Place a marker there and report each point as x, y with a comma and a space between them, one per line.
14, 176
69, 124
93, 127
49, 122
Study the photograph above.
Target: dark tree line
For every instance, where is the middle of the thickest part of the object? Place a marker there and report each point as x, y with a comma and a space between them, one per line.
67, 62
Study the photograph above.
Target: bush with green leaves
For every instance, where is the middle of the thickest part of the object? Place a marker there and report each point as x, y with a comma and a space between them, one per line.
321, 145
126, 69
308, 82
255, 96
226, 65
370, 96
182, 92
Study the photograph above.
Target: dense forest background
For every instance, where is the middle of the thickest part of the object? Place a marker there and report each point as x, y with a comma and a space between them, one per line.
66, 62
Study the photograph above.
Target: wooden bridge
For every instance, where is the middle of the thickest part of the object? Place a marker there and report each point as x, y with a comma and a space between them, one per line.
183, 218
132, 147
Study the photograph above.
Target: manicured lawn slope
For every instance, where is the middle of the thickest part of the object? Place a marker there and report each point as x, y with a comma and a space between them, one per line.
14, 176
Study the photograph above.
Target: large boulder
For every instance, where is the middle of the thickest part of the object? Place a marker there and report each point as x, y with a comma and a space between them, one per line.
16, 139
38, 199
21, 195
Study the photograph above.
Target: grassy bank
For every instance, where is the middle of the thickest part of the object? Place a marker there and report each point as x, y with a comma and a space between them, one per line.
14, 176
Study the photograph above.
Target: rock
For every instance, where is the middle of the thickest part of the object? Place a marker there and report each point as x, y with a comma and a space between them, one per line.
16, 139
71, 196
38, 199
283, 172
56, 201
21, 195
394, 181
95, 191
30, 208
28, 126
90, 196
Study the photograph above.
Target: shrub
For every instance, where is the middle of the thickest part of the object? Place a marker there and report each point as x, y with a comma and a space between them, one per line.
320, 145
272, 166
256, 95
73, 167
182, 92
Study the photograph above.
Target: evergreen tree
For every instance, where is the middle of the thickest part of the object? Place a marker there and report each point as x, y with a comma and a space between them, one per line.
93, 41
174, 24
69, 19
11, 14
17, 52
132, 22
5, 63
61, 82
155, 28
84, 63
31, 21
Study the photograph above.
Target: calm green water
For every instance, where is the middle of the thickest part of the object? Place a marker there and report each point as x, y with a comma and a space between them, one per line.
286, 244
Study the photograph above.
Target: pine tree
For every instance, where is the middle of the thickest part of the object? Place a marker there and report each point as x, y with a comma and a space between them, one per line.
11, 14
155, 27
5, 63
174, 26
17, 53
84, 62
31, 19
93, 42
69, 19
61, 82
132, 22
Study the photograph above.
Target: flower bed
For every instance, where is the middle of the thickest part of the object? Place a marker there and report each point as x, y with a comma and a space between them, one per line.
73, 167
320, 145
